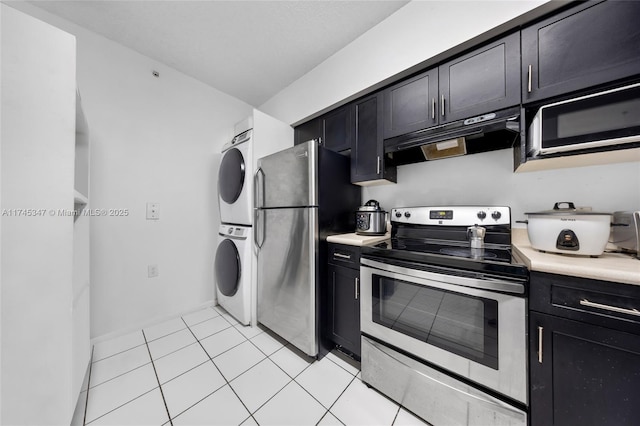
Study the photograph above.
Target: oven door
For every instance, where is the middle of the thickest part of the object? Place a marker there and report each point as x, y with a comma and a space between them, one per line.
473, 327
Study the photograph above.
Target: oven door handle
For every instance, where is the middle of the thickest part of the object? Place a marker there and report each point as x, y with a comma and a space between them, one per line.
484, 283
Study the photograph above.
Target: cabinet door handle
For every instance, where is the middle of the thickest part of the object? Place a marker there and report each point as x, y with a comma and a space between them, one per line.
357, 285
529, 79
379, 165
442, 106
433, 111
343, 256
540, 331
585, 302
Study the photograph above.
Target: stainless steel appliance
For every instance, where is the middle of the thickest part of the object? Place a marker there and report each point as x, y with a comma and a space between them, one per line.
625, 233
443, 326
302, 195
568, 230
487, 132
371, 219
611, 117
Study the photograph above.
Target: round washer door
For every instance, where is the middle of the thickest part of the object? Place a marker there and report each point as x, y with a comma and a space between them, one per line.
231, 176
227, 268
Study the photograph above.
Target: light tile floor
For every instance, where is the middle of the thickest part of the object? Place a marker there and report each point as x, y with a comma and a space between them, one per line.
207, 369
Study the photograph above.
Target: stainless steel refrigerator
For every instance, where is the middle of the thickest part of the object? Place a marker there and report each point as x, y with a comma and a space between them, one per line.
302, 194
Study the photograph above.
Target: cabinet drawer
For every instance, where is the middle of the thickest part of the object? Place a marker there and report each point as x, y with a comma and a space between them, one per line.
603, 303
344, 255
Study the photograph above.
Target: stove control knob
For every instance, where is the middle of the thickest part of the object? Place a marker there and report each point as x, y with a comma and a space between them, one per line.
407, 215
496, 215
481, 215
398, 214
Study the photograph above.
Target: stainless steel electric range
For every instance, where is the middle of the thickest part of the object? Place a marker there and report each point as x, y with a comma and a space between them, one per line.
443, 316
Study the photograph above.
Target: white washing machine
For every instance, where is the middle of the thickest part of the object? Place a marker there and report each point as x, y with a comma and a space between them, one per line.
235, 180
232, 271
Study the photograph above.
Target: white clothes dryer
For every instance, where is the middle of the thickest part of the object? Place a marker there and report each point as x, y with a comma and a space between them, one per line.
232, 270
235, 180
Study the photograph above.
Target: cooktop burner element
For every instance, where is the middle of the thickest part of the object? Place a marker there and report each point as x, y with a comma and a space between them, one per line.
448, 236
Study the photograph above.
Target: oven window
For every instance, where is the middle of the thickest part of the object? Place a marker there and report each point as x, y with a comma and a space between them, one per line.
459, 323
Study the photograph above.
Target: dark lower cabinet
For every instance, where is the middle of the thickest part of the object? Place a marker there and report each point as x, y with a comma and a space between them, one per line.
584, 359
344, 298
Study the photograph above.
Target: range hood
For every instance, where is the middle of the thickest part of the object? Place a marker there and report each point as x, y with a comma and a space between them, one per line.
488, 132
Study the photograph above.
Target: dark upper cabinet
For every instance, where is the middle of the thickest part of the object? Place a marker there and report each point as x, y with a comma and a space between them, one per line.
483, 81
411, 104
338, 128
584, 352
307, 131
334, 130
367, 156
589, 45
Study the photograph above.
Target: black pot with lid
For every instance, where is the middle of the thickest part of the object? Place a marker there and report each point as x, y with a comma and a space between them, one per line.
371, 219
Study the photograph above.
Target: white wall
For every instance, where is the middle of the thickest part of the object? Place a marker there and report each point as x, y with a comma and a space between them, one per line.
152, 140
415, 33
488, 178
37, 145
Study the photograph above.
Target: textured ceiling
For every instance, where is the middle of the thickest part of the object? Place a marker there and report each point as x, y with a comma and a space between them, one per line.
248, 49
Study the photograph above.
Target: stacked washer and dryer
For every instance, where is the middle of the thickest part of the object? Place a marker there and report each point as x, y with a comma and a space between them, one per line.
235, 259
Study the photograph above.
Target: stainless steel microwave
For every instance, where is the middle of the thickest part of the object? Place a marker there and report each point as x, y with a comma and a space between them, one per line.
602, 119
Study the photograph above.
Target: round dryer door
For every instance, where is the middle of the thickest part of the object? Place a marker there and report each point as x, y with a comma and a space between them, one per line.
227, 268
231, 176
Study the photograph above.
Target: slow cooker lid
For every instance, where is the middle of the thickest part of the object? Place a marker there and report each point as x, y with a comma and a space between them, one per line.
570, 210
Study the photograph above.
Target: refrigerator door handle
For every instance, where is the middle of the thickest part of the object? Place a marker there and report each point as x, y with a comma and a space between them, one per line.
258, 188
260, 228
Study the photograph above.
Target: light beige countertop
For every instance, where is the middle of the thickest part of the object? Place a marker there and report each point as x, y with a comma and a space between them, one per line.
616, 267
354, 239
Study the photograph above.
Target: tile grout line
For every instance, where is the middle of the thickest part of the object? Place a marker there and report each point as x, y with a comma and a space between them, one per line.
222, 375
157, 378
86, 402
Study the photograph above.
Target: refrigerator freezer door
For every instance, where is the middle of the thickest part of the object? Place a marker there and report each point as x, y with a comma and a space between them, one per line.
287, 275
288, 178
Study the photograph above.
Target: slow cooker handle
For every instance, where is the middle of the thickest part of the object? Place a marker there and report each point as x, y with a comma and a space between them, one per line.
569, 204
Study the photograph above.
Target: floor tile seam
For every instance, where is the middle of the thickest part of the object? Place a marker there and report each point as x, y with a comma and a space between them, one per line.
224, 378
393, 422
175, 350
200, 322
213, 334
269, 357
117, 353
342, 367
196, 403
328, 408
185, 372
239, 326
122, 405
166, 407
243, 371
165, 335
334, 416
120, 375
260, 349
338, 398
271, 397
86, 402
